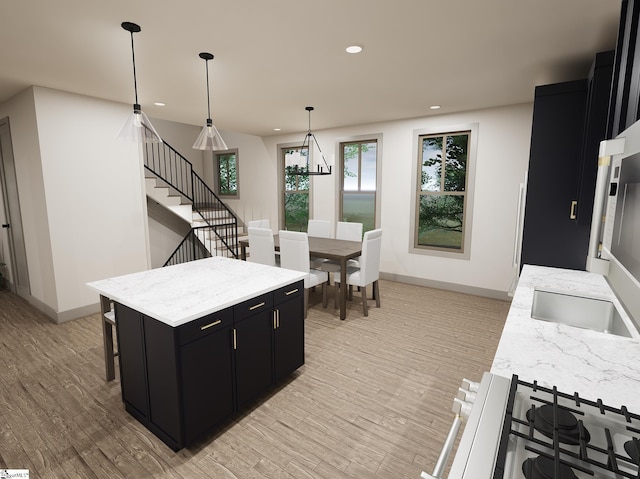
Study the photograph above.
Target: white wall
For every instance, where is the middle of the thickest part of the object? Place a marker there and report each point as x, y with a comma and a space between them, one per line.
181, 138
257, 176
81, 194
502, 158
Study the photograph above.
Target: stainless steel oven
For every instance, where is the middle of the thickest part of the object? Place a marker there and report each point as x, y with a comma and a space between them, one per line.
520, 430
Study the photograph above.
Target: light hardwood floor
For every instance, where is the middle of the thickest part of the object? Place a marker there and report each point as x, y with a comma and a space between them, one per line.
372, 401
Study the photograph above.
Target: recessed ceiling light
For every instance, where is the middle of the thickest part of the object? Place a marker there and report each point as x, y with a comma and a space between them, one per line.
159, 103
434, 107
277, 129
354, 49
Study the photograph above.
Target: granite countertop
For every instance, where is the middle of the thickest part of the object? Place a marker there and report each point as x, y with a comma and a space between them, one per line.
181, 293
593, 364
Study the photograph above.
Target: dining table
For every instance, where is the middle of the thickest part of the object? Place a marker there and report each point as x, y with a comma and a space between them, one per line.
340, 251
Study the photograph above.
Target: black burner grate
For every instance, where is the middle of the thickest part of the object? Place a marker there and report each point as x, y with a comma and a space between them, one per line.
551, 446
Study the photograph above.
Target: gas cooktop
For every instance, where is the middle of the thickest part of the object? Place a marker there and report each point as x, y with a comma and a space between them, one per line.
548, 434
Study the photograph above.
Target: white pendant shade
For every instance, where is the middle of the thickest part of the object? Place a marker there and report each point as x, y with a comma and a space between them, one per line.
139, 129
210, 139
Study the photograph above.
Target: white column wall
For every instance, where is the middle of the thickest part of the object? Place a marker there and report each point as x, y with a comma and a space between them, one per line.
33, 208
81, 196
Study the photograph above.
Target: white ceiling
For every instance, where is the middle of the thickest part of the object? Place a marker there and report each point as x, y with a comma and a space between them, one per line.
274, 57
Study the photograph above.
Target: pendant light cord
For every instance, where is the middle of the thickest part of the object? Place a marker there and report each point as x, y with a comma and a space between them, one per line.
206, 63
135, 82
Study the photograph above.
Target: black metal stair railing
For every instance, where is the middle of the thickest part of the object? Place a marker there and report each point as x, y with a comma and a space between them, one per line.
197, 244
221, 223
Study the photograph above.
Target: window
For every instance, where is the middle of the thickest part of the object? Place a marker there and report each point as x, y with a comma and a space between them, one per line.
227, 173
295, 194
358, 160
442, 192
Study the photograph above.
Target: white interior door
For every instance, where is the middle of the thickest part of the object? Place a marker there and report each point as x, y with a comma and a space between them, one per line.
11, 232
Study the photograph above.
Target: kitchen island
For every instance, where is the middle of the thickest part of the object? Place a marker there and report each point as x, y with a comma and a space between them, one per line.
201, 340
594, 364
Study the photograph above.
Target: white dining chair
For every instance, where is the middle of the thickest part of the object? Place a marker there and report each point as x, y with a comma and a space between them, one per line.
261, 248
367, 273
345, 230
259, 224
319, 228
294, 254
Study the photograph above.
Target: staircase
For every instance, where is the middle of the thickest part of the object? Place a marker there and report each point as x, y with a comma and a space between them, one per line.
171, 181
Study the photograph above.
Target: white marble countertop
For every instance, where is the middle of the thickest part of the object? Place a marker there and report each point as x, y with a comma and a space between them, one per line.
181, 293
593, 364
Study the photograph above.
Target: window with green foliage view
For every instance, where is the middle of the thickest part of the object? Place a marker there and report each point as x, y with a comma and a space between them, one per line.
296, 191
358, 183
442, 179
227, 170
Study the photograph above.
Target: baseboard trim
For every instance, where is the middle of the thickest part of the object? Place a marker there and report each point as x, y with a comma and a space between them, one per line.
63, 316
458, 288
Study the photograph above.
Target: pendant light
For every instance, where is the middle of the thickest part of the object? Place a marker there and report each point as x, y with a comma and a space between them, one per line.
137, 128
304, 169
209, 138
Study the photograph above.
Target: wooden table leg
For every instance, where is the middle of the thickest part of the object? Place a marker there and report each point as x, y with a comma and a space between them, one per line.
343, 288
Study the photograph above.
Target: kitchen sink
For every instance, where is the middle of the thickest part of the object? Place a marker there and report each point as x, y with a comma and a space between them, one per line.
578, 311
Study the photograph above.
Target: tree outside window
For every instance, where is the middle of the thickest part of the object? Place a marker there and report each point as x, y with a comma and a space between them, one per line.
227, 172
296, 190
442, 190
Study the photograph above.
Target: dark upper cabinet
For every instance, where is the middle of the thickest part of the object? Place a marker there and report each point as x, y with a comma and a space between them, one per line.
569, 121
625, 88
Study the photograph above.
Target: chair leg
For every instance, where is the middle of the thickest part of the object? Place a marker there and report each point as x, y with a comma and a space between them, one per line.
350, 293
324, 295
306, 302
365, 308
336, 288
376, 293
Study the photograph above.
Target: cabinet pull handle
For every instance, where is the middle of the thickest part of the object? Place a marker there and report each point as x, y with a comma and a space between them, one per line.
207, 326
275, 314
234, 339
572, 216
291, 292
256, 306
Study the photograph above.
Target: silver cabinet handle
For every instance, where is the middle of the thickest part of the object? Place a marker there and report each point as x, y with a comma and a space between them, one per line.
291, 292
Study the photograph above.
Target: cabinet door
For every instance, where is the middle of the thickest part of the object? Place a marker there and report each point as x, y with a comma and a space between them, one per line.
207, 382
253, 356
551, 237
131, 356
288, 334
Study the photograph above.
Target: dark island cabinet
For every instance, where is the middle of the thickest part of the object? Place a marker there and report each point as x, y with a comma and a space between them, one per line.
253, 347
181, 382
288, 331
206, 372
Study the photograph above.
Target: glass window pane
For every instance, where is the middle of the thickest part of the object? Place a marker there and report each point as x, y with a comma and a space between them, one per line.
368, 162
359, 208
351, 152
440, 221
296, 207
456, 162
431, 169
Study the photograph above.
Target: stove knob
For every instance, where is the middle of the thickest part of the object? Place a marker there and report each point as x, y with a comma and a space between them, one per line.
465, 395
470, 385
461, 408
